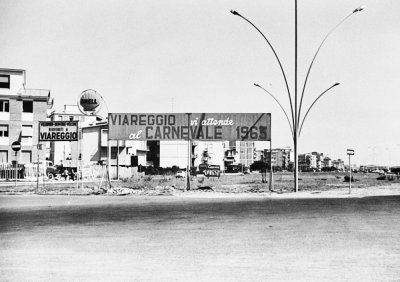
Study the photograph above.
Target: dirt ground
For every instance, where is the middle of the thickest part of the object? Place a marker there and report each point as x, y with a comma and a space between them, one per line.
201, 237
230, 184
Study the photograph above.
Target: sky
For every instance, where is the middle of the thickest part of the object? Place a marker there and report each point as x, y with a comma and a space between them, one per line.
195, 56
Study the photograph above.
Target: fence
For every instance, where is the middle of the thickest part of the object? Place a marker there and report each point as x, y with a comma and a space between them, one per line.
89, 172
9, 171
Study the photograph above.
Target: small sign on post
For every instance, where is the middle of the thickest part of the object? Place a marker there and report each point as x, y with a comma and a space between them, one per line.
350, 152
16, 146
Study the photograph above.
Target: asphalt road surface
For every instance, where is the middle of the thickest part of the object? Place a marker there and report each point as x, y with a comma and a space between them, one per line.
89, 238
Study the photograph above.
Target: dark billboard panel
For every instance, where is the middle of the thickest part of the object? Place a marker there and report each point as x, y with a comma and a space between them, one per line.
196, 126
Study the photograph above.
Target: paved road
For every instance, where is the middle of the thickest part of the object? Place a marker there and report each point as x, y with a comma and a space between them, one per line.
72, 238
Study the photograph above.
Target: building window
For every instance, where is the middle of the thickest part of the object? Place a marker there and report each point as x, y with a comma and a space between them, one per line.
3, 130
26, 135
4, 106
71, 118
4, 81
27, 106
3, 157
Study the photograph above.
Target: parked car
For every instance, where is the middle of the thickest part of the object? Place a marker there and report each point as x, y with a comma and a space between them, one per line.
180, 174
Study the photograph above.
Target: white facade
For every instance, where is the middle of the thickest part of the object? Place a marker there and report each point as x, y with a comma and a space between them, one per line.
17, 81
174, 153
93, 147
212, 153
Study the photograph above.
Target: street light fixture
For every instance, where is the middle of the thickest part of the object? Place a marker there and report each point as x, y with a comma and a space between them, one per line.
296, 108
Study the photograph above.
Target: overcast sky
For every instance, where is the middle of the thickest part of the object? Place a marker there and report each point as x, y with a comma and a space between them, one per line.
195, 56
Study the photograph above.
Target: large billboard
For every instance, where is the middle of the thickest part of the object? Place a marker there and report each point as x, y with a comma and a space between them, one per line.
58, 131
194, 126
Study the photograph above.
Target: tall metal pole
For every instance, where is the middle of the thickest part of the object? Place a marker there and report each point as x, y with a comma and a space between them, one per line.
118, 160
189, 157
296, 125
296, 108
77, 162
350, 175
271, 177
109, 161
16, 166
37, 173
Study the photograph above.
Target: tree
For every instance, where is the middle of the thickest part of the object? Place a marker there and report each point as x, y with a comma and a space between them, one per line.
259, 166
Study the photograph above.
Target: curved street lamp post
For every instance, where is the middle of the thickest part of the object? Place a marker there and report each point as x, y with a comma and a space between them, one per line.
296, 122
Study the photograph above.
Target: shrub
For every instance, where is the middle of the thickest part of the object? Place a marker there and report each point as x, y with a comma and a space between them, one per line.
381, 177
259, 166
347, 178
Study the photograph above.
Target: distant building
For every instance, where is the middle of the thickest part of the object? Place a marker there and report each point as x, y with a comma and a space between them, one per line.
258, 155
94, 148
173, 153
280, 157
93, 141
307, 162
327, 162
67, 152
211, 153
319, 160
168, 153
338, 164
21, 109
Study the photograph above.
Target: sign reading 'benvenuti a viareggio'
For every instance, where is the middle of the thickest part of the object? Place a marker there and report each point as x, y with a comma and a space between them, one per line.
194, 126
58, 131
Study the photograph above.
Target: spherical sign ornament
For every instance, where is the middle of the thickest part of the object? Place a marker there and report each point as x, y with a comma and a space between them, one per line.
89, 102
16, 146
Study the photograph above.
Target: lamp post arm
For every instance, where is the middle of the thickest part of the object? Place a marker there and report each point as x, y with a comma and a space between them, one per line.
304, 118
280, 105
277, 58
316, 53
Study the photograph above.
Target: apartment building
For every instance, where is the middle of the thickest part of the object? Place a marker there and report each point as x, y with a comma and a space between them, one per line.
280, 157
238, 152
21, 109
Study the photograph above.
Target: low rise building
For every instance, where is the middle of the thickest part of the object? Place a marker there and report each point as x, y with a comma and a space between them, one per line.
21, 109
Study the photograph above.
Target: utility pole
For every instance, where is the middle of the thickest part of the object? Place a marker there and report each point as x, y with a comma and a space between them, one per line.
350, 152
39, 147
187, 188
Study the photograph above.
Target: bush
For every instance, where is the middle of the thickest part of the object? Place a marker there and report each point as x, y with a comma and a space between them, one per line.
150, 170
347, 178
327, 169
258, 166
381, 177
